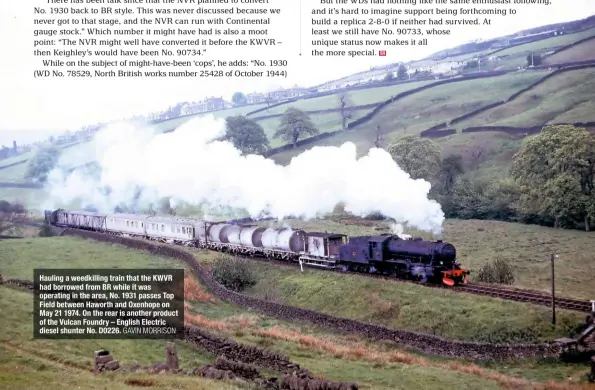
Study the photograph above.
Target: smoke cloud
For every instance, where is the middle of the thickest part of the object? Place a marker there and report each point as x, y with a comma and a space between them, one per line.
190, 165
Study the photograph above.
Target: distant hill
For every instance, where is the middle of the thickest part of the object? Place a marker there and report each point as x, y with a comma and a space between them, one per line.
472, 47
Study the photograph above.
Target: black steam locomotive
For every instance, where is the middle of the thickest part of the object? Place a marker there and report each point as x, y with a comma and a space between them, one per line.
415, 258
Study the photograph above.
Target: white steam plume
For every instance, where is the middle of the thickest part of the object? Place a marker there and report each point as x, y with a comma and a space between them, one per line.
188, 165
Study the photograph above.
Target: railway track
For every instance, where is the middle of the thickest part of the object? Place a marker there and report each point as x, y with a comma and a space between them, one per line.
527, 296
506, 293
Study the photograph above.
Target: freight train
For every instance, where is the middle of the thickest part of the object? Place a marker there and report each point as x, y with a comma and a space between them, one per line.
399, 256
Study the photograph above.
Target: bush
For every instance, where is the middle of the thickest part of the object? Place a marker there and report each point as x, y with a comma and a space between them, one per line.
234, 273
46, 230
500, 271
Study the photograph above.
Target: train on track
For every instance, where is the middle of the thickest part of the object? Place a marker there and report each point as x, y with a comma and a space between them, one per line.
399, 256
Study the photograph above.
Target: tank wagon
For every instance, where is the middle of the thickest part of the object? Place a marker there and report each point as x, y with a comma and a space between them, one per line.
399, 256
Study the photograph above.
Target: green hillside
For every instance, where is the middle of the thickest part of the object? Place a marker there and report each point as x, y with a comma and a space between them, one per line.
567, 97
415, 113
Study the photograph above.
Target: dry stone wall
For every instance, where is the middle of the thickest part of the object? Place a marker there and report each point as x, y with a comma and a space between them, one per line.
235, 351
20, 283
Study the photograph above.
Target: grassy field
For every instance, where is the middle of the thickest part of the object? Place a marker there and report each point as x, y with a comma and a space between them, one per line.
553, 42
12, 160
15, 173
355, 98
581, 52
26, 363
418, 112
430, 107
414, 308
545, 103
581, 112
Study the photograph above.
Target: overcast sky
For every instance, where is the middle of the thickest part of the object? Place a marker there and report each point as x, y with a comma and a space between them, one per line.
31, 109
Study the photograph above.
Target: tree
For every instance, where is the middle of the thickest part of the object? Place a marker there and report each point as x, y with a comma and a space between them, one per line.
12, 217
295, 124
344, 101
389, 77
478, 198
420, 157
239, 99
534, 59
402, 72
11, 223
555, 170
246, 135
450, 169
42, 163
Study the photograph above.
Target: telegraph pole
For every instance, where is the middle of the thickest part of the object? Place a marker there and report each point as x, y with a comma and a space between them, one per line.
553, 258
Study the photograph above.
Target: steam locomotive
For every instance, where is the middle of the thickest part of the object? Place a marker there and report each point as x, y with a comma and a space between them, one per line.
399, 256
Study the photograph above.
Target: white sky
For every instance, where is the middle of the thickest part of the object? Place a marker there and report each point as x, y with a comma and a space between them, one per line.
31, 109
